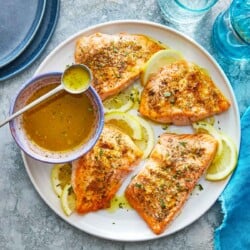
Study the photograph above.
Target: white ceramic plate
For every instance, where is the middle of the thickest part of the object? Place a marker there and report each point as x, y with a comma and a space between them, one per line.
122, 224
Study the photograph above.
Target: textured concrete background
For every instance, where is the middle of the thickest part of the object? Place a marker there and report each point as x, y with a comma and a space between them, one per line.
26, 222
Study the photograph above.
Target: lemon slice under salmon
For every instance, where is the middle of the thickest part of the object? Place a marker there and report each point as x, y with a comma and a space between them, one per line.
60, 176
126, 122
226, 157
224, 165
157, 61
147, 142
68, 200
122, 102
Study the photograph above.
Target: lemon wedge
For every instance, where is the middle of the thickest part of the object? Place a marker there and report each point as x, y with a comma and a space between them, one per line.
206, 127
223, 166
147, 142
122, 102
158, 60
126, 122
226, 157
68, 200
60, 176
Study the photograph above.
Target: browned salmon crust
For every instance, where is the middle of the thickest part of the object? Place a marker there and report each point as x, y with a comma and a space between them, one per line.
97, 176
160, 190
115, 60
181, 93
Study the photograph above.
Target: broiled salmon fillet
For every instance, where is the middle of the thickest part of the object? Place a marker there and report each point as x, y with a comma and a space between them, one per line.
161, 188
97, 176
115, 60
181, 93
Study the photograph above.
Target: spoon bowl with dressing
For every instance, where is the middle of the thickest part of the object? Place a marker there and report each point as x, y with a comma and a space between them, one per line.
64, 126
75, 80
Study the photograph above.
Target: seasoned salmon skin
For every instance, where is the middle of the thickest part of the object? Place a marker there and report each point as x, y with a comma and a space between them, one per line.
181, 93
162, 187
115, 60
97, 175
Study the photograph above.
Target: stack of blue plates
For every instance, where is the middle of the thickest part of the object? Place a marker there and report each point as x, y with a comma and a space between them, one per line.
25, 29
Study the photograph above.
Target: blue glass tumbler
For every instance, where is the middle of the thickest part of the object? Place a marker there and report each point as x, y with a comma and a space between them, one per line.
185, 12
231, 31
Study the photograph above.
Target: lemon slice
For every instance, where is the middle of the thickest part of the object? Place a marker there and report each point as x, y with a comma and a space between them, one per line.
60, 176
158, 60
122, 102
223, 166
126, 122
147, 142
206, 127
68, 200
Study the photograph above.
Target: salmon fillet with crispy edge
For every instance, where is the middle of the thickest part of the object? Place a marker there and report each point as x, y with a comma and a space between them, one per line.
115, 60
97, 176
181, 93
162, 187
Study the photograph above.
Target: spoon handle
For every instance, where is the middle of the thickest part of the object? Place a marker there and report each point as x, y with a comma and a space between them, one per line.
32, 104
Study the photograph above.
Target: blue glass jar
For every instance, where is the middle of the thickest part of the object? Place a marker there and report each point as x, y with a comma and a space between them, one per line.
231, 31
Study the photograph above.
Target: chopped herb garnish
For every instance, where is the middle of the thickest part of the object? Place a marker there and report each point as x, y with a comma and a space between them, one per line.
115, 49
162, 204
162, 186
101, 152
131, 97
138, 185
165, 127
183, 143
167, 94
199, 186
70, 190
121, 205
178, 186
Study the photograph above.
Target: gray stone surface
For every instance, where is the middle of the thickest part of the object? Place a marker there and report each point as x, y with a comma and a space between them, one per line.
26, 222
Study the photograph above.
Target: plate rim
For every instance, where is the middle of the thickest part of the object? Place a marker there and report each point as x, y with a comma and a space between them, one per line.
15, 67
28, 36
131, 21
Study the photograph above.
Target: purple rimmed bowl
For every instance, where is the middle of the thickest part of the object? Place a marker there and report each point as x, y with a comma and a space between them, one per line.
31, 148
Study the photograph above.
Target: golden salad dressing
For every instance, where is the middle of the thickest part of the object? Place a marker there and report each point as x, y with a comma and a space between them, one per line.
76, 78
118, 202
60, 123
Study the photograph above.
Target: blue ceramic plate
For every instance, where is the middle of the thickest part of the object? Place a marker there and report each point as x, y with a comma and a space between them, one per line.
38, 43
19, 21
